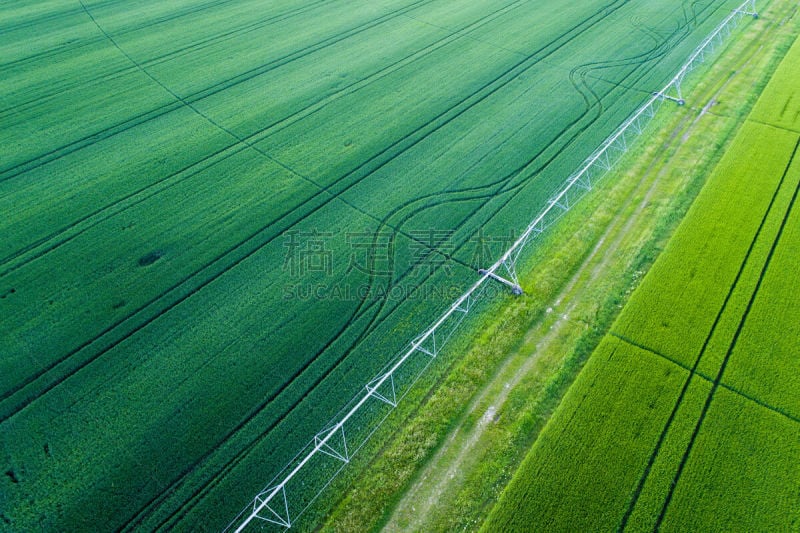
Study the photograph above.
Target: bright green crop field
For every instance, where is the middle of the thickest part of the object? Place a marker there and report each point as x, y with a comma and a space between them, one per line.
221, 218
687, 417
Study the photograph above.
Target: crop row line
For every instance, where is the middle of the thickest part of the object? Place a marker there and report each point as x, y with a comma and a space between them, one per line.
76, 45
169, 56
216, 88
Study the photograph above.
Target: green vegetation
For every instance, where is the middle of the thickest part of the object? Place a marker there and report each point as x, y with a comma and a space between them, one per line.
686, 418
221, 218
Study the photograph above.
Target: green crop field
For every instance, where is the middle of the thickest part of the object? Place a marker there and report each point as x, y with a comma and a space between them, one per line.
687, 417
221, 218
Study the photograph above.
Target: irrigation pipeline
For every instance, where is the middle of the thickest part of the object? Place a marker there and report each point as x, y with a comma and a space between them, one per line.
272, 505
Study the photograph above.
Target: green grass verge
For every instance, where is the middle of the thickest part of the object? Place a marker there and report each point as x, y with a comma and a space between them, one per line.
617, 376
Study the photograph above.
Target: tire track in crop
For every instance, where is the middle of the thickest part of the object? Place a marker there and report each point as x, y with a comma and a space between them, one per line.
681, 32
677, 35
694, 370
235, 461
735, 340
294, 377
364, 169
591, 100
46, 245
648, 31
52, 16
163, 58
73, 46
216, 88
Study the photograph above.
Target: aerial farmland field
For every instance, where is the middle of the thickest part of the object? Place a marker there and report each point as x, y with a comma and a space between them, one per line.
686, 417
220, 219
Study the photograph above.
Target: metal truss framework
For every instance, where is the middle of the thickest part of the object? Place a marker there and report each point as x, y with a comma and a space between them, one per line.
672, 91
298, 485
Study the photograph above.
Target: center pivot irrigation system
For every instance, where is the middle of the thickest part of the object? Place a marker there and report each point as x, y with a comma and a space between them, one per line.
301, 481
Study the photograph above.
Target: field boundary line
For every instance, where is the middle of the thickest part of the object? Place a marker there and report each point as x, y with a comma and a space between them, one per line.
775, 126
631, 342
275, 505
709, 379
